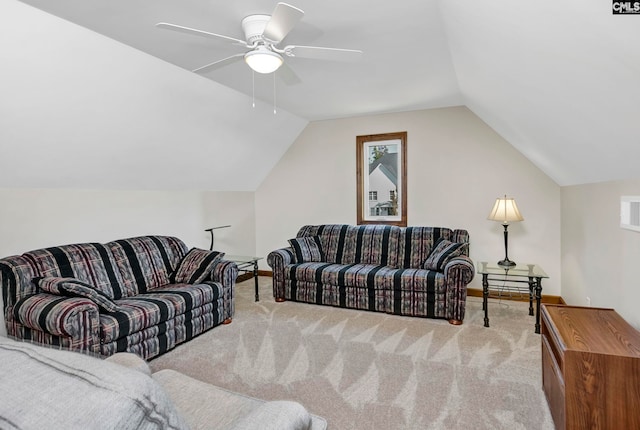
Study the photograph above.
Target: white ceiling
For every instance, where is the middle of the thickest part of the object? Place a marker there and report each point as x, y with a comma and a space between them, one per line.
406, 63
559, 80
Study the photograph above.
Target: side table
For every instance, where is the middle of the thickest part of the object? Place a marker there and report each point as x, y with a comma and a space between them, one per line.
247, 264
509, 278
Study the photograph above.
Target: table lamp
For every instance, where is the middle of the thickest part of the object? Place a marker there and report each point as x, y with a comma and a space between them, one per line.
505, 211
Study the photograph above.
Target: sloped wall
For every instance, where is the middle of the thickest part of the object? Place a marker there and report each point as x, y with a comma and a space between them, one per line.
80, 110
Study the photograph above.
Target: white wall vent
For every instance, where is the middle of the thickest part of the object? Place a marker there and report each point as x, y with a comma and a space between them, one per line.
630, 212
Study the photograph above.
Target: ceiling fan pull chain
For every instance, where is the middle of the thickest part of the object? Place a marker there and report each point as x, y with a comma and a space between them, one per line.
274, 93
253, 87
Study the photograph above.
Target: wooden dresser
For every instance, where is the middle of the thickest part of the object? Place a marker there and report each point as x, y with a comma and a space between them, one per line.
590, 368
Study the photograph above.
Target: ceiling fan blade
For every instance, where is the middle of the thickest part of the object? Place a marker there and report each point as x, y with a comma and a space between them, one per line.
218, 64
283, 19
321, 53
288, 76
196, 32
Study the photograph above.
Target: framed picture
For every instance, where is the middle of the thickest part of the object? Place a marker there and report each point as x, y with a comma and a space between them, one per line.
381, 175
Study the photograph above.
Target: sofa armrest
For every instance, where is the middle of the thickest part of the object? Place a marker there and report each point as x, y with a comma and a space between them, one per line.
282, 256
225, 272
461, 268
131, 361
278, 260
276, 415
458, 272
73, 317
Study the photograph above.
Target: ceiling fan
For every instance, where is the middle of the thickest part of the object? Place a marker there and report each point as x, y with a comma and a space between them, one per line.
263, 33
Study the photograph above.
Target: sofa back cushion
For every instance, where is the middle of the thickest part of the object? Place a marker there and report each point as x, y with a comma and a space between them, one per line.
416, 243
332, 238
146, 262
377, 244
91, 263
348, 244
398, 247
119, 269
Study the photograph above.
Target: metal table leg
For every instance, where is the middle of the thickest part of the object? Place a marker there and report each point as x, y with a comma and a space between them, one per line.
538, 289
485, 297
255, 279
532, 285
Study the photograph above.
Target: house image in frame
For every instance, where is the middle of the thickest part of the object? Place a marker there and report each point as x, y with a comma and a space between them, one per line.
383, 185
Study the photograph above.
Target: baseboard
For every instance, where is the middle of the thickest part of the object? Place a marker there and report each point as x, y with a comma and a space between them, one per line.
244, 276
475, 292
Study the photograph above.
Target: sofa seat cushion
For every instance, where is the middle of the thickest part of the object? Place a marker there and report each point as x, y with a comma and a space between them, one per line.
367, 276
418, 280
155, 307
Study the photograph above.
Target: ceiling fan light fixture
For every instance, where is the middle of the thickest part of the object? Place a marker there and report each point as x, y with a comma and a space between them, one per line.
262, 60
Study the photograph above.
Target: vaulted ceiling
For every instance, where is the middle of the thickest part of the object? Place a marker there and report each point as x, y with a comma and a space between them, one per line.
560, 81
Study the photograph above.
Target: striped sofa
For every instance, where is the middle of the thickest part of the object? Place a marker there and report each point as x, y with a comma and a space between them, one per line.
376, 268
117, 296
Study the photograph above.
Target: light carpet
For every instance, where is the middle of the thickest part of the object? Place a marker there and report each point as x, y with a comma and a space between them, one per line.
367, 370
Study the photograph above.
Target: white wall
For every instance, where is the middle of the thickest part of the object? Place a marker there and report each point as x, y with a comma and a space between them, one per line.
236, 209
600, 260
38, 218
457, 167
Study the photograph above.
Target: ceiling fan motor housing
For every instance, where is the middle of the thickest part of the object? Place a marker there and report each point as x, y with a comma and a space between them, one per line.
253, 27
263, 33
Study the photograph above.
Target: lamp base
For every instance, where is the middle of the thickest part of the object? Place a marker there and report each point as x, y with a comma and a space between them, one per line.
506, 263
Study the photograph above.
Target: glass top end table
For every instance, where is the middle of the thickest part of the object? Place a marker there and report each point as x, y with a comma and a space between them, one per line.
247, 264
517, 270
530, 274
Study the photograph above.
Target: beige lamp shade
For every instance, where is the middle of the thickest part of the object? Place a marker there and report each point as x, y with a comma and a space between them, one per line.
505, 211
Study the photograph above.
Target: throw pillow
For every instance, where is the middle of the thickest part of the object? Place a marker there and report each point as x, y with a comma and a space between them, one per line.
196, 266
71, 287
443, 251
307, 249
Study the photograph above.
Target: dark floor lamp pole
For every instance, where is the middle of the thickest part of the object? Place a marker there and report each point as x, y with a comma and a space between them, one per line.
210, 230
505, 211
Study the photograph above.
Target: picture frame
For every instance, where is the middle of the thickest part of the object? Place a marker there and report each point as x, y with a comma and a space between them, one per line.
381, 176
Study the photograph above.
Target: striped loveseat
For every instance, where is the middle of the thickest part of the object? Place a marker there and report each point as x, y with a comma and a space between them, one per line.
143, 295
377, 268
